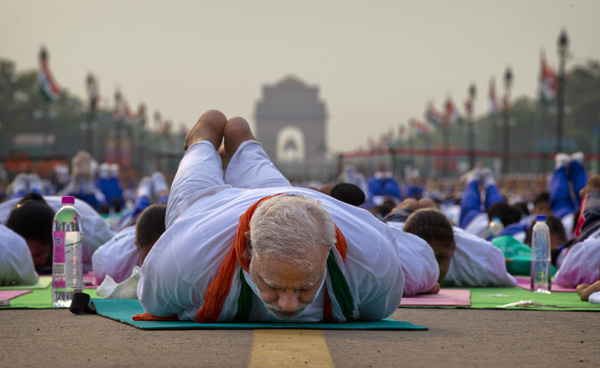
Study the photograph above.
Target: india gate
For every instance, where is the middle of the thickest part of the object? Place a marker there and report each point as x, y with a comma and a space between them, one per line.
290, 122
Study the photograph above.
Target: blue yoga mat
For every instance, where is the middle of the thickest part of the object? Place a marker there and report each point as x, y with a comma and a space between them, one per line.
123, 309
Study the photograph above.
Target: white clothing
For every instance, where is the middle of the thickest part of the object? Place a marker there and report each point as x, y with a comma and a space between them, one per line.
594, 298
124, 290
16, 264
117, 257
567, 222
478, 225
581, 263
476, 263
452, 211
96, 231
421, 270
202, 220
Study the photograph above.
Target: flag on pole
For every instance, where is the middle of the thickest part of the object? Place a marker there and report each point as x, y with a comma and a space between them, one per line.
505, 104
136, 118
548, 82
48, 87
492, 97
401, 133
452, 113
419, 127
433, 116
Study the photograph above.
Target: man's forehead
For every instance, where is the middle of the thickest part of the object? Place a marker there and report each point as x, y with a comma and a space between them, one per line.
281, 274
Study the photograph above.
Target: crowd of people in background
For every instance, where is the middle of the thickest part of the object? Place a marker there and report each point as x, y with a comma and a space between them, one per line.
462, 222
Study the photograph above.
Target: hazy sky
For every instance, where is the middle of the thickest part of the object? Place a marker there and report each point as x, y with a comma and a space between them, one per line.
376, 63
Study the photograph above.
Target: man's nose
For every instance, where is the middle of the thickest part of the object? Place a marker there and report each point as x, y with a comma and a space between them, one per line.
288, 300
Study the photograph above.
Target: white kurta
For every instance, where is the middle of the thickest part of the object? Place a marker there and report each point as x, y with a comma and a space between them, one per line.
202, 219
582, 263
478, 225
421, 270
117, 257
96, 231
476, 262
16, 264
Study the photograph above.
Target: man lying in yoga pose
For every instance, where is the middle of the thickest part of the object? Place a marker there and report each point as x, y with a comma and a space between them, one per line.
244, 245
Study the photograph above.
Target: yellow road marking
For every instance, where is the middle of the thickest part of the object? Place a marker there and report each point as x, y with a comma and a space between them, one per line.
290, 348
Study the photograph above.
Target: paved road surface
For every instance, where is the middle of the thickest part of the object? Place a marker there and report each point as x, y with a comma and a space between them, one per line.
456, 338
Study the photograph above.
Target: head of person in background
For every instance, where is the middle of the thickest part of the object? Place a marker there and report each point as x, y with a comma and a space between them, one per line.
523, 209
541, 204
508, 214
326, 189
149, 228
348, 193
383, 209
558, 235
32, 219
401, 212
433, 226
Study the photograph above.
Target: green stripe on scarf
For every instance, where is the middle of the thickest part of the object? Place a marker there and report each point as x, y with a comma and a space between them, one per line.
244, 301
340, 287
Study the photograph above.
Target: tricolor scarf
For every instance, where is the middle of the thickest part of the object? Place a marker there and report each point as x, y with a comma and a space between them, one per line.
217, 291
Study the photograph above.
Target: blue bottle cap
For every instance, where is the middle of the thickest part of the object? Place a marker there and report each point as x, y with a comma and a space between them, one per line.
540, 218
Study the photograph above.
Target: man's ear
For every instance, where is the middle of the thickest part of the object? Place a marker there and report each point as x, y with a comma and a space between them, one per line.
248, 249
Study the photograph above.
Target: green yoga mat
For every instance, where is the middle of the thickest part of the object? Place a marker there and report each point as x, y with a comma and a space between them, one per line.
42, 283
123, 309
481, 299
38, 299
493, 298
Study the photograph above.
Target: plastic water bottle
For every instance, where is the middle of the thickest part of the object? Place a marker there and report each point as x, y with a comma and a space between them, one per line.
540, 256
67, 234
494, 229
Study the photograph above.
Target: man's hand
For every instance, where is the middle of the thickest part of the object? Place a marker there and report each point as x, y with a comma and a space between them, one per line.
584, 290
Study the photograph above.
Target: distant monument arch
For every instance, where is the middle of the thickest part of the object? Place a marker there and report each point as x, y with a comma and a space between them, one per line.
290, 122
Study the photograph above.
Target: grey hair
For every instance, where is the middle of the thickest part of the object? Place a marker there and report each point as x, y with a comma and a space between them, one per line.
289, 226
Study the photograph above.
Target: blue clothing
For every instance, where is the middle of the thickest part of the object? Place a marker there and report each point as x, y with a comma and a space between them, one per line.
513, 229
470, 202
563, 199
414, 191
383, 186
111, 188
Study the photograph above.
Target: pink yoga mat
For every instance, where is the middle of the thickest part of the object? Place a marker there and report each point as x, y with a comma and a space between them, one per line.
10, 294
89, 282
445, 298
525, 283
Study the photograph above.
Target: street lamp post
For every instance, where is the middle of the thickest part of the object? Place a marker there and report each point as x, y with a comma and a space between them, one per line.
470, 103
157, 122
563, 45
508, 78
92, 89
118, 123
142, 138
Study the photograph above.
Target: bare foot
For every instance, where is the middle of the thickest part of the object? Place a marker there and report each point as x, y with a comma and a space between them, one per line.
236, 132
209, 127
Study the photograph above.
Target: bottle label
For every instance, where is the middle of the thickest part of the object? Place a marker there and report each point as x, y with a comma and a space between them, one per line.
67, 267
58, 266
